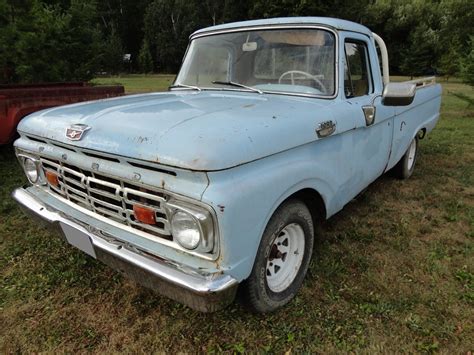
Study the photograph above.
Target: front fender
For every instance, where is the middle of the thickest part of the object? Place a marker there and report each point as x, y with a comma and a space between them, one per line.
246, 197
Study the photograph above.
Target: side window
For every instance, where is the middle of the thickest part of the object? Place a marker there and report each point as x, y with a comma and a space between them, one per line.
356, 70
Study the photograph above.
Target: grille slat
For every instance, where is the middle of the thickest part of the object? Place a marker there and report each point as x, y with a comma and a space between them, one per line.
108, 196
70, 189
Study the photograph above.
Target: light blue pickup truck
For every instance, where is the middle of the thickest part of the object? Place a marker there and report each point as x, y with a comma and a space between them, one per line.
270, 127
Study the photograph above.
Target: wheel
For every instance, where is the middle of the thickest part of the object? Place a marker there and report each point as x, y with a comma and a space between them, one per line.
282, 259
406, 165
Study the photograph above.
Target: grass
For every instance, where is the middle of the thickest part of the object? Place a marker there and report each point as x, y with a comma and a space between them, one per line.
138, 83
392, 272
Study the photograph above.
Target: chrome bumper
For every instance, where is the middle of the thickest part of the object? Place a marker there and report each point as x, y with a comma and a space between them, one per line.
200, 291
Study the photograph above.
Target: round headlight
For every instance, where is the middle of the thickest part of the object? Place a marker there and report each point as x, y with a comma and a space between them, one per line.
186, 230
31, 170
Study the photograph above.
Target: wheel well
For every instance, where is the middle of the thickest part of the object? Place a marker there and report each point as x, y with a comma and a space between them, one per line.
314, 201
421, 133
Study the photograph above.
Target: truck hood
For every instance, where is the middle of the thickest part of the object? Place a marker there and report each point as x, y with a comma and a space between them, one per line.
202, 131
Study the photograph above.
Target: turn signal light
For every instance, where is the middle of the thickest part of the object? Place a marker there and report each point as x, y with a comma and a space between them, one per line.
144, 214
52, 178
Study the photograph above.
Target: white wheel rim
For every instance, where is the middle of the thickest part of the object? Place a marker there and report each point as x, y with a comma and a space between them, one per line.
411, 154
285, 258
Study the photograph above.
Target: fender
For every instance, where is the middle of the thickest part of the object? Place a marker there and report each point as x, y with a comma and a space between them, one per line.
244, 202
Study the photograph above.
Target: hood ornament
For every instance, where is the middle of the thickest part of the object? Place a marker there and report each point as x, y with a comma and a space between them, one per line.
76, 131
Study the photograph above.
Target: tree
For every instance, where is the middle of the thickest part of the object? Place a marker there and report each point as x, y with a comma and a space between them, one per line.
145, 60
449, 62
49, 43
168, 24
112, 60
127, 17
419, 58
82, 41
467, 65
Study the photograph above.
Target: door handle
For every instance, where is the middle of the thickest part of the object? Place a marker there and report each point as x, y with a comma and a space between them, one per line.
326, 128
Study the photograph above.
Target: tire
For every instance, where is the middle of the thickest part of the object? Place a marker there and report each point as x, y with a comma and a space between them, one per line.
406, 165
279, 267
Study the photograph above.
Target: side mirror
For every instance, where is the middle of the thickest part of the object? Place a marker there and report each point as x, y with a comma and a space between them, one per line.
398, 94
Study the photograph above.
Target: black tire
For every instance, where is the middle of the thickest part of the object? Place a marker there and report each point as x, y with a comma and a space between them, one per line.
291, 214
404, 168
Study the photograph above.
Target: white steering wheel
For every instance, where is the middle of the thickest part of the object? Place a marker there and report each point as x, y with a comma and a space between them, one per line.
315, 78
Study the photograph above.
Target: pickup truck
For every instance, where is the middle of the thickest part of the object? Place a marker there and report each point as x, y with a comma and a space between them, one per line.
18, 101
270, 127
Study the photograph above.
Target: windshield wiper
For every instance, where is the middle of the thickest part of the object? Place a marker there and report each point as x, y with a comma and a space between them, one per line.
185, 86
233, 83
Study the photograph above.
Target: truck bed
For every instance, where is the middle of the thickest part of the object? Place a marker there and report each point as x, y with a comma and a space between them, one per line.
17, 101
421, 115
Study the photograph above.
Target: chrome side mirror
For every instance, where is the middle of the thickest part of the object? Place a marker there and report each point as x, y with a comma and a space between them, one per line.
398, 94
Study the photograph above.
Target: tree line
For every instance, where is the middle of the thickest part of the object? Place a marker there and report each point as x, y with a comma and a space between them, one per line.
64, 40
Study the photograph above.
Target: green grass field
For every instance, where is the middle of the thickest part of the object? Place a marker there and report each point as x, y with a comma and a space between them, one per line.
392, 272
138, 83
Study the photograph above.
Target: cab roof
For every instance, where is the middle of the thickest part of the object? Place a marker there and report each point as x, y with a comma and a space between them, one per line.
334, 23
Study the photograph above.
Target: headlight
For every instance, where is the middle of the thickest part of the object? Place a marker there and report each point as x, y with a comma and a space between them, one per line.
186, 230
192, 226
31, 170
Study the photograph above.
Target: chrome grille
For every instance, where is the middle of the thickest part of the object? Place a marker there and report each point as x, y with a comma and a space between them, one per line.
109, 197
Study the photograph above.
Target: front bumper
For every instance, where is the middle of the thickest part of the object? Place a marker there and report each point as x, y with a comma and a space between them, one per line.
205, 292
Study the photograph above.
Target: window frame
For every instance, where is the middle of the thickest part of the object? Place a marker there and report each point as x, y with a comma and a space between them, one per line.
329, 29
370, 79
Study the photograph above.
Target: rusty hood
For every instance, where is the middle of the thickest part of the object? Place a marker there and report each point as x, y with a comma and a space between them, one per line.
202, 131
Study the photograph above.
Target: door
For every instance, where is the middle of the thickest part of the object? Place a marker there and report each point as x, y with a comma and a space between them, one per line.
361, 86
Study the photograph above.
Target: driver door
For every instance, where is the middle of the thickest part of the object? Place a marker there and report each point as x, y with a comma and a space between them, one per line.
362, 84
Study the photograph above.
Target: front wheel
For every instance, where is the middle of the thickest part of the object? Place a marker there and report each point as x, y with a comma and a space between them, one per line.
282, 259
406, 165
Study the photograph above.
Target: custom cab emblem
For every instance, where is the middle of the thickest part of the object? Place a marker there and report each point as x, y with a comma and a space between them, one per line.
75, 132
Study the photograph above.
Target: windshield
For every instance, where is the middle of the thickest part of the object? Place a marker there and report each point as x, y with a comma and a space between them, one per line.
297, 61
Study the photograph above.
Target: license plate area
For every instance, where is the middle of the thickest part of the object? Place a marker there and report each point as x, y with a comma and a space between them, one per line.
78, 239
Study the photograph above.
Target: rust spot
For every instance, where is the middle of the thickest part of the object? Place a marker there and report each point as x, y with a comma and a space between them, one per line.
221, 207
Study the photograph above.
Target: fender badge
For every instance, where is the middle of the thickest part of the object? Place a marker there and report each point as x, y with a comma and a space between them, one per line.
76, 131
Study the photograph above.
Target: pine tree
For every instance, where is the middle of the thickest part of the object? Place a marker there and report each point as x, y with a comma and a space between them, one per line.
467, 65
113, 53
145, 60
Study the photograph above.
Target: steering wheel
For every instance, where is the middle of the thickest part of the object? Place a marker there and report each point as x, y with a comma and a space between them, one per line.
305, 75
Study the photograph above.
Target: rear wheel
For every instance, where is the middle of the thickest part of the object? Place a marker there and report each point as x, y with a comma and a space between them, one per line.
282, 259
406, 165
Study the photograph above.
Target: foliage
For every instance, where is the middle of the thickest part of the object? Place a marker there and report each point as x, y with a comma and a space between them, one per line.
467, 65
44, 43
419, 56
145, 60
167, 27
423, 36
112, 60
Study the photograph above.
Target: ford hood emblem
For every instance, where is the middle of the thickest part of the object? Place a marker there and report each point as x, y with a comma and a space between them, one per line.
76, 131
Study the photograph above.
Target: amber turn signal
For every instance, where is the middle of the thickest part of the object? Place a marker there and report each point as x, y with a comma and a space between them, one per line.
52, 178
144, 214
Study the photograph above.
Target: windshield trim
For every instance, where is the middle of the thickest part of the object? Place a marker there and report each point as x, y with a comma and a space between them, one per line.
276, 27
